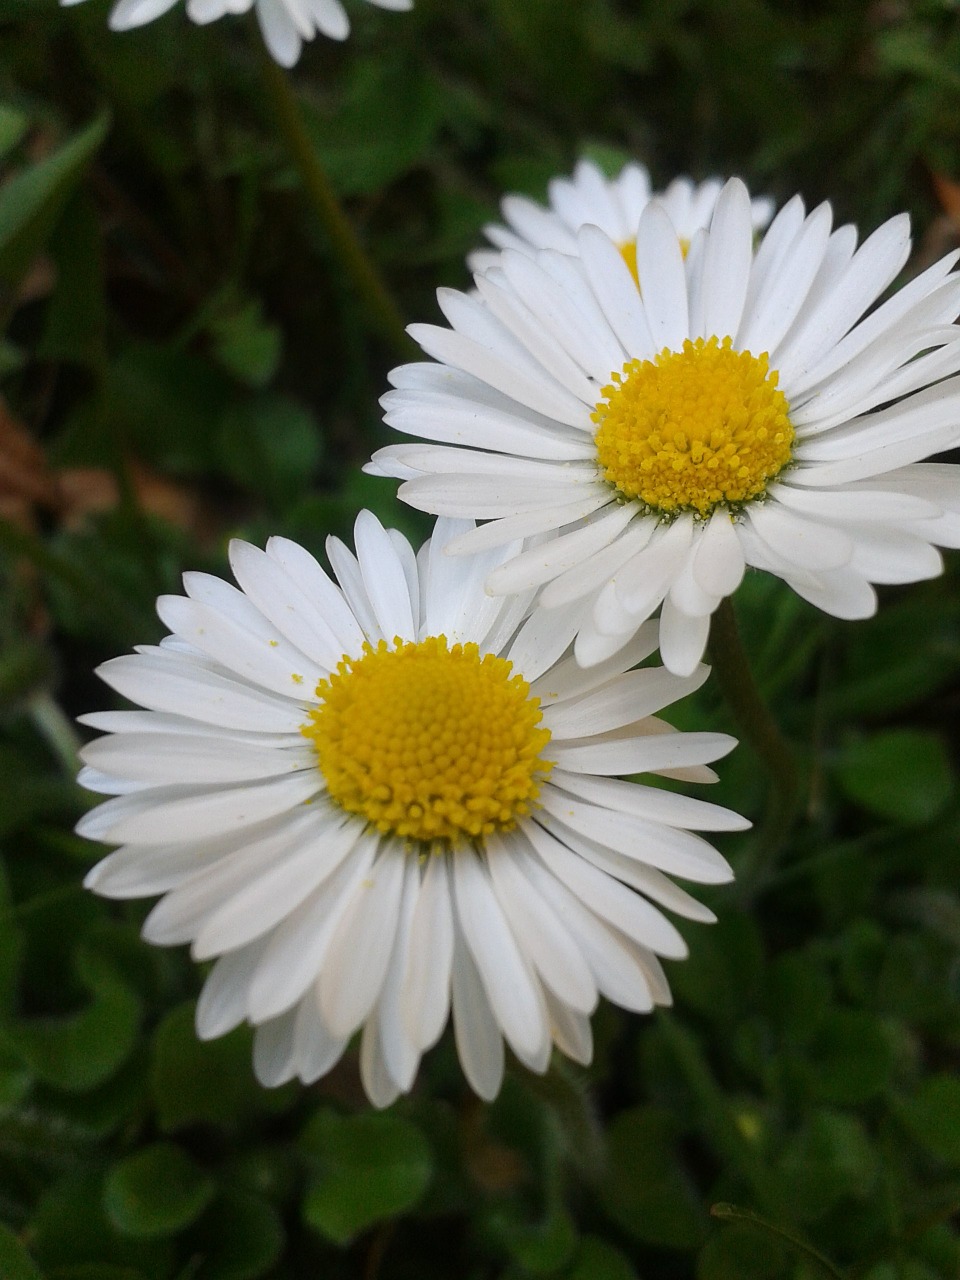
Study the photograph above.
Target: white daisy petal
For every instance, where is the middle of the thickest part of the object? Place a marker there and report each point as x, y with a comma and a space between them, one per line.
295, 954
425, 998
793, 268
315, 1048
284, 603
185, 688
274, 1051
464, 420
717, 563
616, 972
400, 1053
163, 758
503, 971
570, 1030
479, 1043
223, 1000
660, 267
650, 802
607, 897
616, 290
384, 578
541, 393
621, 701
683, 637
181, 914
547, 945
283, 23
677, 852
269, 899
550, 559
802, 542
361, 945
378, 1083
498, 532
844, 593
726, 264
317, 587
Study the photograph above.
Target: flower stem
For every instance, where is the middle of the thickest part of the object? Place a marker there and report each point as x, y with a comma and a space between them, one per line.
733, 673
802, 1247
57, 729
356, 261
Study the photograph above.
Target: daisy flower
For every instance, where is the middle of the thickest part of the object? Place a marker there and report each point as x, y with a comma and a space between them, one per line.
742, 407
285, 23
382, 799
614, 205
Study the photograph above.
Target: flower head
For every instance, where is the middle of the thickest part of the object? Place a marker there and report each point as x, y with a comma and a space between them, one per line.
285, 24
385, 800
742, 407
589, 198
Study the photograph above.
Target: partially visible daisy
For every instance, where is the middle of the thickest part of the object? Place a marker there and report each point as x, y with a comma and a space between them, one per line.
381, 801
614, 205
740, 408
285, 24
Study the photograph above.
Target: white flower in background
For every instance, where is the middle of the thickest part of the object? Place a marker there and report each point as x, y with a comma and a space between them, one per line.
285, 24
380, 801
612, 204
738, 409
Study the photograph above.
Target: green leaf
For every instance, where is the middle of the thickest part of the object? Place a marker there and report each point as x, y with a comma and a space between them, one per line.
95, 1271
70, 1229
76, 318
723, 970
211, 1082
369, 1167
15, 1262
13, 127
84, 1049
646, 1190
156, 1192
741, 1252
598, 1260
271, 446
238, 1238
933, 1117
385, 122
830, 1158
168, 402
903, 775
32, 201
542, 1247
245, 344
850, 1057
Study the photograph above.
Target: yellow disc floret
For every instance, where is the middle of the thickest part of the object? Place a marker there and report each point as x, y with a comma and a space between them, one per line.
693, 429
429, 741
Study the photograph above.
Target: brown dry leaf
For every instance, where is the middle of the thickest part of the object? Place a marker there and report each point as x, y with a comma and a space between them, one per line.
91, 491
26, 478
948, 193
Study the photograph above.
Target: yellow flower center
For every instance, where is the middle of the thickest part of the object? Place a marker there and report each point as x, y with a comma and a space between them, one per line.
628, 251
430, 742
694, 429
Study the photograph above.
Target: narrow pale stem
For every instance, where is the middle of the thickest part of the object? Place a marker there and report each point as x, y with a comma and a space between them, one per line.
733, 673
57, 728
732, 1213
356, 261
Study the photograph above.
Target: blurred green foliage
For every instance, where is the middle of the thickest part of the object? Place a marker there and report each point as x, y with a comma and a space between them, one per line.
182, 360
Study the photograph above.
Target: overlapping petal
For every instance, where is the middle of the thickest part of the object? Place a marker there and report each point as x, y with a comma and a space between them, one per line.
285, 24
